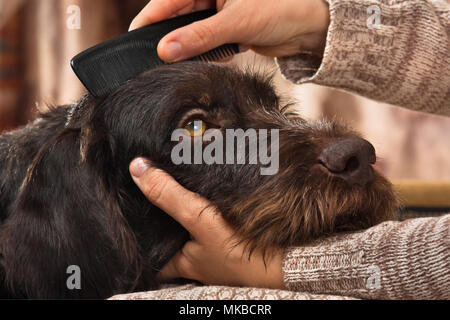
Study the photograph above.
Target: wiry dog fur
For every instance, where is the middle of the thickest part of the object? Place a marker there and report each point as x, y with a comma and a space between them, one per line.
67, 198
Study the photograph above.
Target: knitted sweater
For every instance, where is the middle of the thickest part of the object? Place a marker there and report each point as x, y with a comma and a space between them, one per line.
403, 60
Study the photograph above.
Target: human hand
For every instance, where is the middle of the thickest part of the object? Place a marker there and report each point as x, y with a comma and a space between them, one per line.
211, 256
271, 28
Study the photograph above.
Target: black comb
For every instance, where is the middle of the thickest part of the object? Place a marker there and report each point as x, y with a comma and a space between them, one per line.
108, 65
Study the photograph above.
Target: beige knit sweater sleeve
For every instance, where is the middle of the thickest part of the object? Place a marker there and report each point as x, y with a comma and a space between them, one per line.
393, 260
402, 58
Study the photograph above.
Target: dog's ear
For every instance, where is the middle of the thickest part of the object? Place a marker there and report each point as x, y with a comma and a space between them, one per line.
65, 225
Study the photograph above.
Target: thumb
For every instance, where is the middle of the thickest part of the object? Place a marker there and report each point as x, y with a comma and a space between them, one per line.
196, 38
167, 194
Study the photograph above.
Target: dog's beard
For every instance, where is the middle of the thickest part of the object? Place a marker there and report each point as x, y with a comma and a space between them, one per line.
282, 214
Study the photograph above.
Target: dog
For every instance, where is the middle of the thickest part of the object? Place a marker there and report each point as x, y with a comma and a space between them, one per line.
67, 197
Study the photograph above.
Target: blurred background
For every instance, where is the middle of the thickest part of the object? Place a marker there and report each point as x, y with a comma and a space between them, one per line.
39, 37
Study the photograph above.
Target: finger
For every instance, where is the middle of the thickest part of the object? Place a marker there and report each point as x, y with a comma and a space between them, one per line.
197, 38
198, 5
167, 194
157, 10
180, 265
170, 271
243, 48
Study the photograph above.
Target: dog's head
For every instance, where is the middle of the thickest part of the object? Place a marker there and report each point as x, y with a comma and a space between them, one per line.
277, 179
291, 180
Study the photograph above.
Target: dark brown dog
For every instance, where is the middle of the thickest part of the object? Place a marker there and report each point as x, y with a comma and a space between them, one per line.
67, 198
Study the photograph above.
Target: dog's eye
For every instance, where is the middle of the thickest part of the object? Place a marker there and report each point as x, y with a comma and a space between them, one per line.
195, 127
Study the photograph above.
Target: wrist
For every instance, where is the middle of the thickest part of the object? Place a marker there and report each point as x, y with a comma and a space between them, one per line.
275, 272
268, 274
314, 39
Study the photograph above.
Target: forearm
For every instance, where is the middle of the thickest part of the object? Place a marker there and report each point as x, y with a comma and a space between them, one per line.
393, 260
404, 60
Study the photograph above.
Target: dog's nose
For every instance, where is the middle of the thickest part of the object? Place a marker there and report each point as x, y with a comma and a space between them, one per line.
350, 159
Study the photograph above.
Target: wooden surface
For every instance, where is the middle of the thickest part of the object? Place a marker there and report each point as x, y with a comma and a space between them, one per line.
427, 194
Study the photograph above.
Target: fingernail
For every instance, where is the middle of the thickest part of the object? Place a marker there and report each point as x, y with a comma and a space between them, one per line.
243, 48
173, 51
138, 166
131, 27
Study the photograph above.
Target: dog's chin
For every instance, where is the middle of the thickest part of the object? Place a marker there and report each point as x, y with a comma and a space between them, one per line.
341, 207
295, 216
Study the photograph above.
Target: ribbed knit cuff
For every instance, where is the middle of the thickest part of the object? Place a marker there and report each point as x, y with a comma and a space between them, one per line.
393, 260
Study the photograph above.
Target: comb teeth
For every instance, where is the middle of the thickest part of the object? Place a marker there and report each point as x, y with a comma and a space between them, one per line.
219, 53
